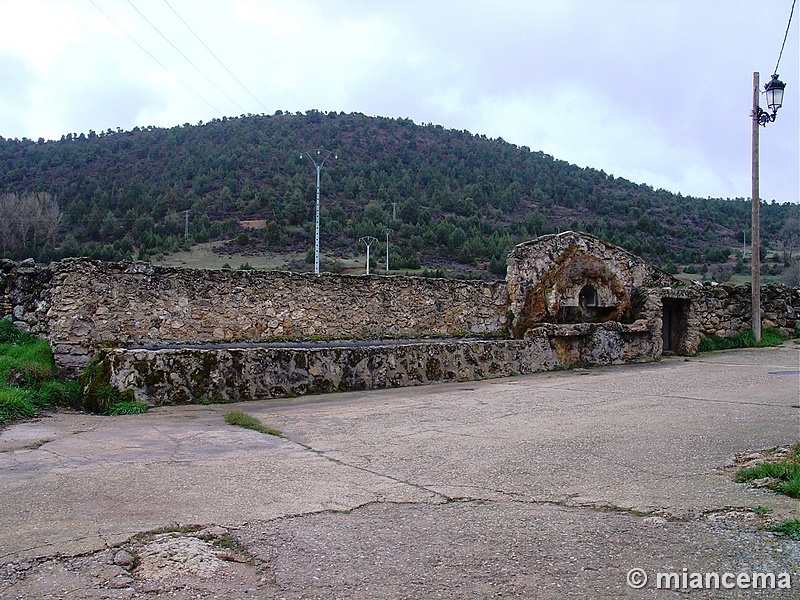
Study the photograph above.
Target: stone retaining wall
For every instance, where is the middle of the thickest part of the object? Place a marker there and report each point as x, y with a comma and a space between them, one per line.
725, 309
189, 375
94, 304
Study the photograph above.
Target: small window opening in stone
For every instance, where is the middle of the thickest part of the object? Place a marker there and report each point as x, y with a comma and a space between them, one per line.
588, 296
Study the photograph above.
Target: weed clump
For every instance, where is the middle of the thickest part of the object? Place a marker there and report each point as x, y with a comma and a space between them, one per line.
127, 407
783, 476
769, 337
790, 529
12, 335
29, 380
241, 419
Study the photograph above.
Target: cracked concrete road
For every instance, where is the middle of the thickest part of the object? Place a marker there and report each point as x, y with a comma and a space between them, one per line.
545, 486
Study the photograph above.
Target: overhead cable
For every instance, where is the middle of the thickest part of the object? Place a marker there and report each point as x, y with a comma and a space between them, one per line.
185, 57
785, 36
130, 37
215, 56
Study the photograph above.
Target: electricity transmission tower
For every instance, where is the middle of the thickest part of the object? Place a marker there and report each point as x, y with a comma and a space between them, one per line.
388, 231
368, 241
318, 159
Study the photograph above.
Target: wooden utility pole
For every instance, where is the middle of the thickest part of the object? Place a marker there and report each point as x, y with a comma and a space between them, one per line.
755, 237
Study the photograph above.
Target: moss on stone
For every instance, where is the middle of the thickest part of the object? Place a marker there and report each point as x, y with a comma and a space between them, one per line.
433, 369
98, 393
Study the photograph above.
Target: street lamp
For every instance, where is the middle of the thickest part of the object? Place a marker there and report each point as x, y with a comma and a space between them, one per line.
318, 160
774, 95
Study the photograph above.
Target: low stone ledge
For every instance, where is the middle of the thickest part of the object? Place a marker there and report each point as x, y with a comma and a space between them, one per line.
233, 374
594, 344
586, 329
188, 376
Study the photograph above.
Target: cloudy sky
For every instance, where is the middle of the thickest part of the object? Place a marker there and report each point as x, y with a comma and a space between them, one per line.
658, 92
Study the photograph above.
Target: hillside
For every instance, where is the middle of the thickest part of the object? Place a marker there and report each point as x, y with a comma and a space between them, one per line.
461, 200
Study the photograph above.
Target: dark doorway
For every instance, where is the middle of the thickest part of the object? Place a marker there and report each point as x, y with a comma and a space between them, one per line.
588, 297
674, 325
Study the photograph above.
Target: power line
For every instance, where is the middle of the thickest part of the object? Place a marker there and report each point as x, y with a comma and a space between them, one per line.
184, 56
215, 56
785, 36
143, 49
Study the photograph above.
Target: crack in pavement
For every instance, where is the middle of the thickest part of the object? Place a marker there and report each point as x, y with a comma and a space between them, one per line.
677, 397
50, 544
340, 462
513, 497
639, 469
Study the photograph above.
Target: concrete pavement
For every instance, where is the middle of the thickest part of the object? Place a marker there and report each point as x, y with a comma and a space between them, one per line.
539, 486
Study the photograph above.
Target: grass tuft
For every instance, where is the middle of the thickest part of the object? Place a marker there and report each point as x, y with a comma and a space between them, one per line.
60, 393
9, 334
785, 474
241, 419
790, 529
769, 337
15, 403
127, 407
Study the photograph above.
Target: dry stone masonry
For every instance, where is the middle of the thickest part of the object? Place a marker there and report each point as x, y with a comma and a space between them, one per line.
180, 335
95, 305
575, 278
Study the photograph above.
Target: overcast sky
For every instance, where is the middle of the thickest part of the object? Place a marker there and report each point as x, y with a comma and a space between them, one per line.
658, 92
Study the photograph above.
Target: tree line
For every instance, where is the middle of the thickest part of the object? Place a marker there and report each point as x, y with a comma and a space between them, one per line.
452, 198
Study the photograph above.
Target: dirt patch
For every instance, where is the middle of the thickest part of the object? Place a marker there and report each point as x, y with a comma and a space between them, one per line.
205, 563
172, 556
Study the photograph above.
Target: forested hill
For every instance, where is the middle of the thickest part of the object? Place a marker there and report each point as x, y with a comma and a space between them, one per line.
460, 198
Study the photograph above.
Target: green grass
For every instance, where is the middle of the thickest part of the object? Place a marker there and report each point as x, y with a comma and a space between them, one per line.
28, 377
784, 473
746, 339
59, 393
241, 419
29, 382
15, 404
26, 362
127, 407
790, 529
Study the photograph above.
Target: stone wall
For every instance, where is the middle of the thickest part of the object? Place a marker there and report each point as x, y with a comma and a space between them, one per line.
94, 304
25, 295
234, 374
725, 309
83, 306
